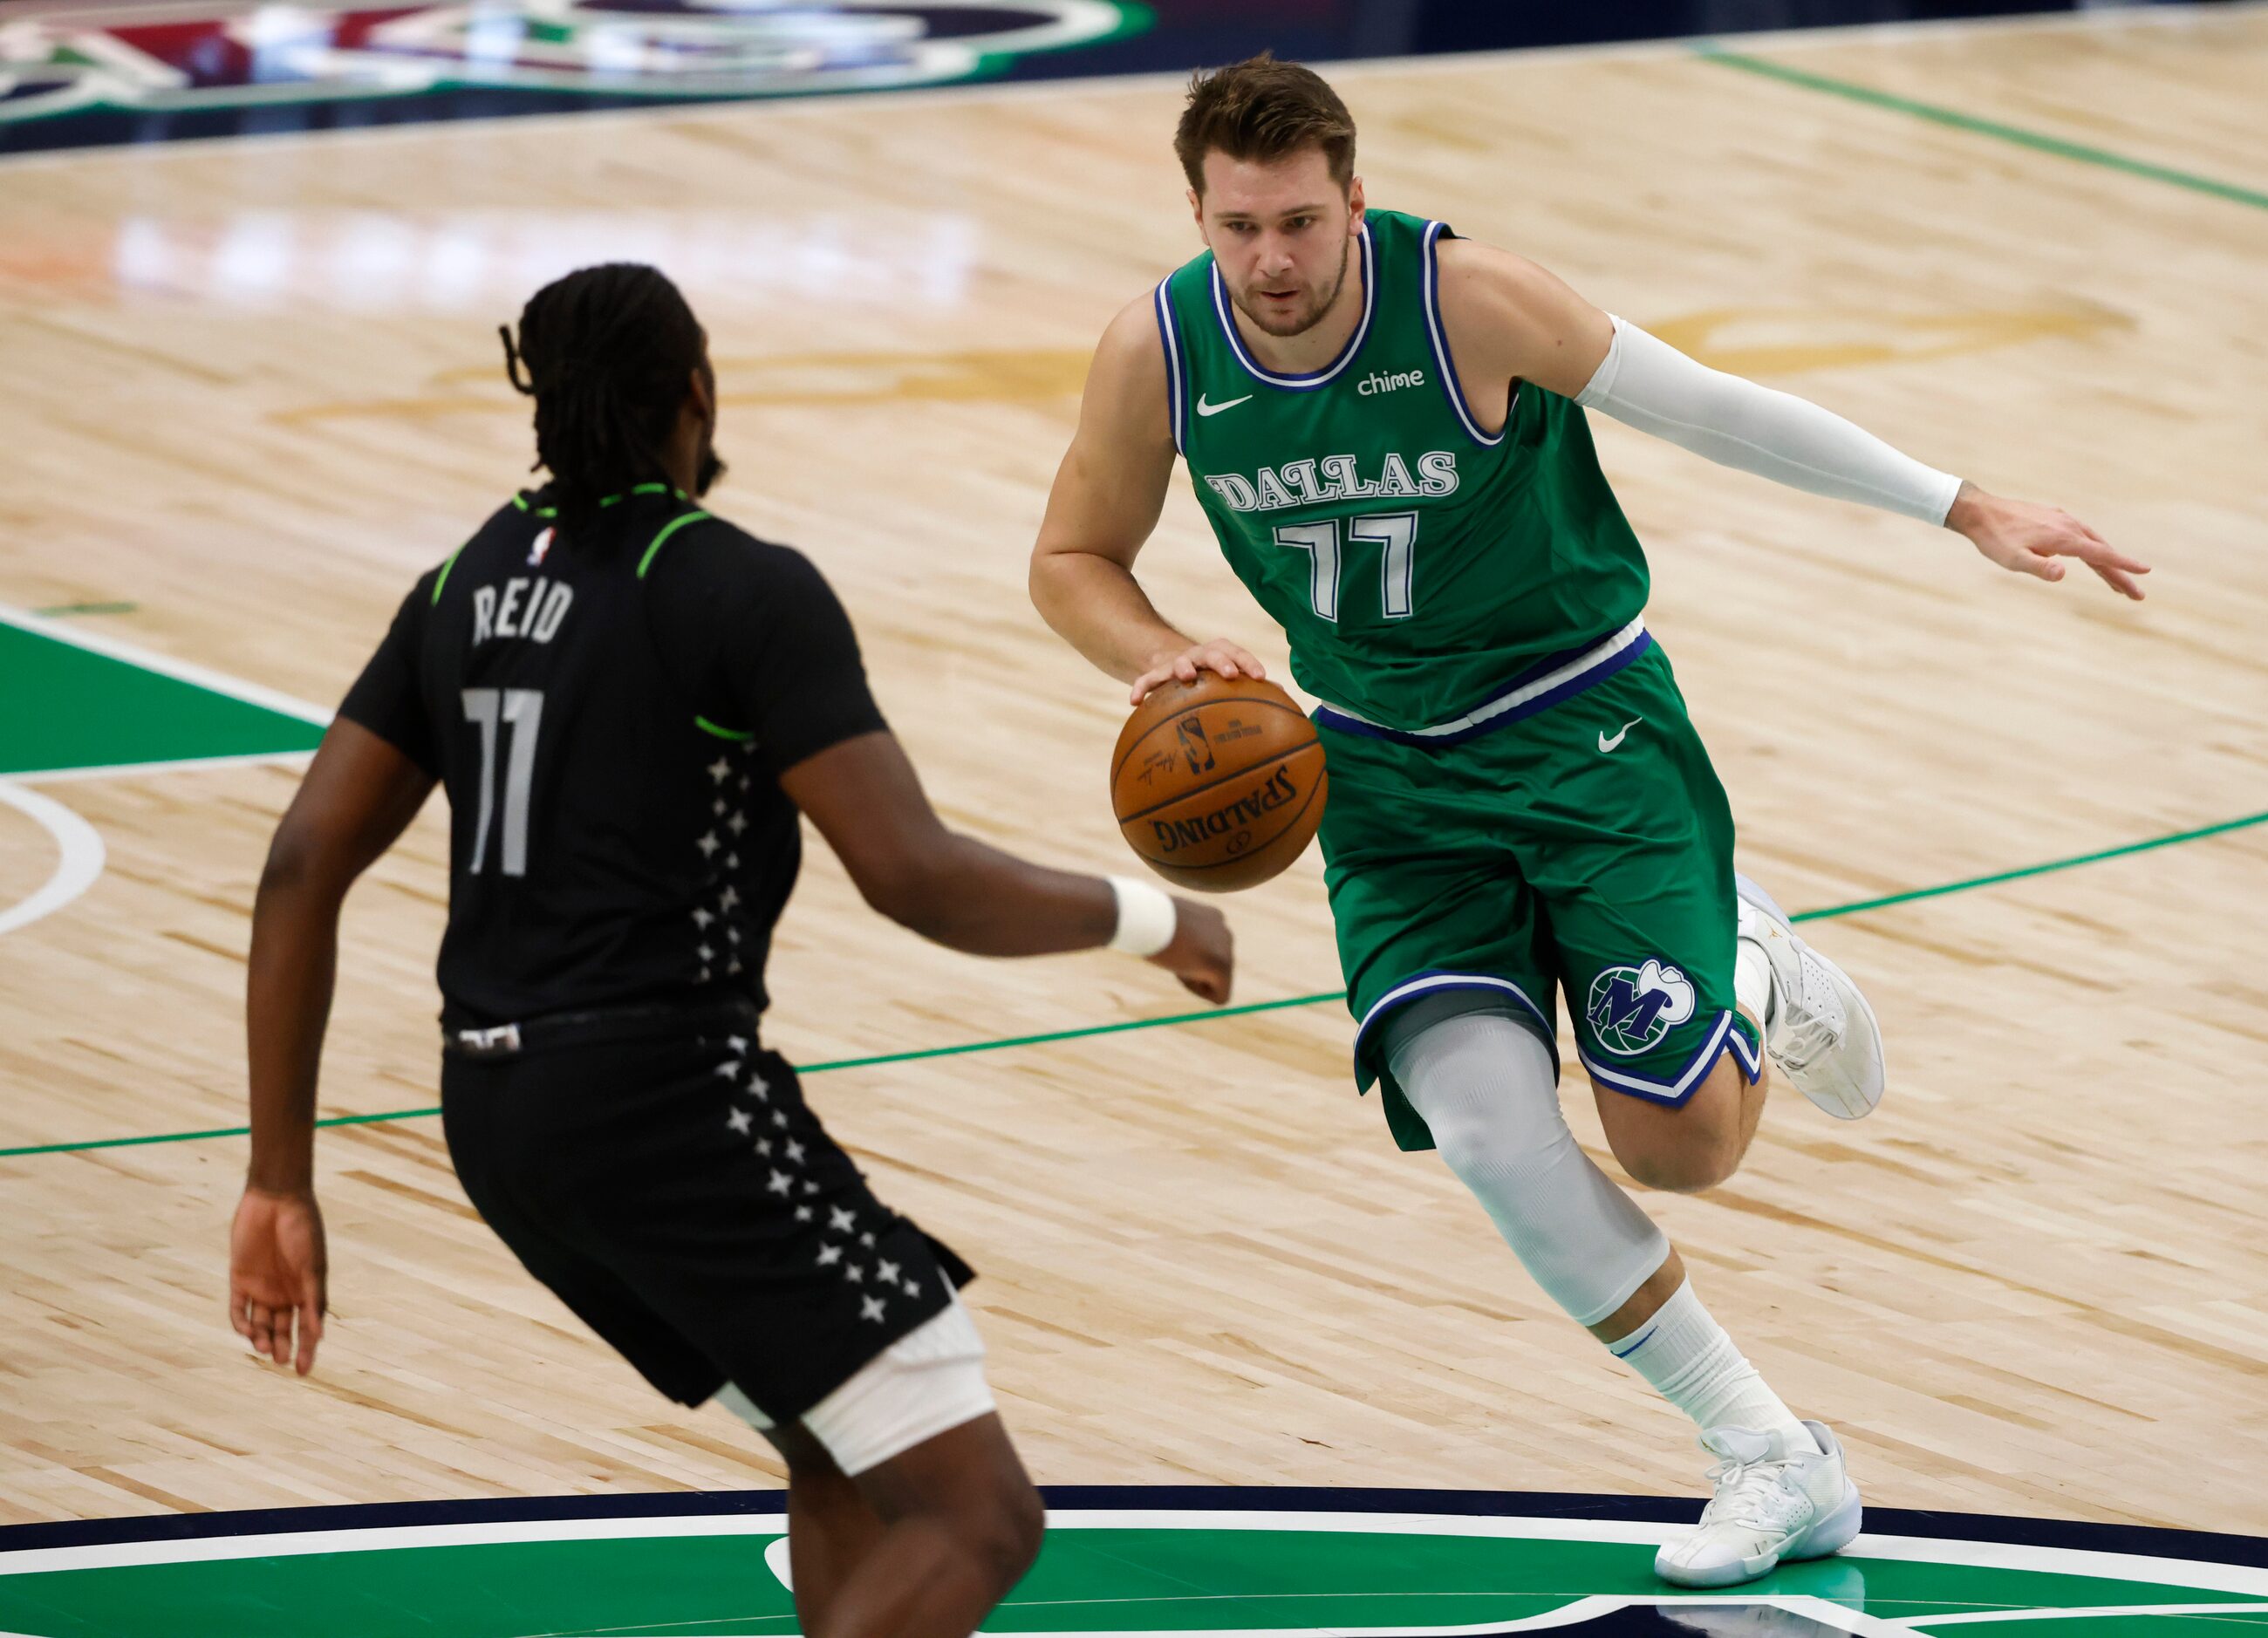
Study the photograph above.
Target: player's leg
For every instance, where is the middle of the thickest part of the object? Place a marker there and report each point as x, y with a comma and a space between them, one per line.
1815, 1027
926, 1542
682, 1200
1672, 1008
837, 1319
1687, 1147
1483, 1081
831, 1527
960, 1524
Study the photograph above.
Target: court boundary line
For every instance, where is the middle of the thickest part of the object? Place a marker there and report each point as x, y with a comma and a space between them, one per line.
1617, 1521
1688, 46
80, 856
1980, 1531
1086, 1032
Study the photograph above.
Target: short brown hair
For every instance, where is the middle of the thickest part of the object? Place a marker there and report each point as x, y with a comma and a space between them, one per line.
1263, 109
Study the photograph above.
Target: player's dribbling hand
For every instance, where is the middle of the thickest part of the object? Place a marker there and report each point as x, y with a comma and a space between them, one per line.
277, 1273
2027, 539
1219, 655
1202, 954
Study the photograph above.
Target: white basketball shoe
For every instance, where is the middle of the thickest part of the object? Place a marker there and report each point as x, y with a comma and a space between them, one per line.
1771, 1507
1819, 1028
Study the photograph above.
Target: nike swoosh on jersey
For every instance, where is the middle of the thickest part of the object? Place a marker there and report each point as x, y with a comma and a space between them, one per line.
1204, 408
1606, 744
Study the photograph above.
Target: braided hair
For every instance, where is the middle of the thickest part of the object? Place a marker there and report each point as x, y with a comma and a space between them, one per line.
608, 351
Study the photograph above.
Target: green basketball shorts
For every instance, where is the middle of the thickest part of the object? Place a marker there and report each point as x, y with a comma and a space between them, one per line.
1587, 847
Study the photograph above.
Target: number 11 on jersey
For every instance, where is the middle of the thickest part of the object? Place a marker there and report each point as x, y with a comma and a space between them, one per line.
1394, 533
523, 710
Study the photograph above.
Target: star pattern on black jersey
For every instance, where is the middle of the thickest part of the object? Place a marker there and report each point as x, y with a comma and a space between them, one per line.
732, 777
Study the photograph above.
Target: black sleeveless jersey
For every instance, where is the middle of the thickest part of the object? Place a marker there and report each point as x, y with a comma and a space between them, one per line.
610, 714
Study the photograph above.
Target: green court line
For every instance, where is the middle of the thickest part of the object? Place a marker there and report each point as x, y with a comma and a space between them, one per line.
2072, 864
2040, 142
55, 610
1084, 1032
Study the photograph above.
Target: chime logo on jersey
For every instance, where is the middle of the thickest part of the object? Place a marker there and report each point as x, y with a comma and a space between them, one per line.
1631, 1009
1335, 478
1379, 381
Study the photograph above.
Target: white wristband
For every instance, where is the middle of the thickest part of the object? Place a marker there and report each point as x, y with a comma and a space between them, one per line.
1146, 917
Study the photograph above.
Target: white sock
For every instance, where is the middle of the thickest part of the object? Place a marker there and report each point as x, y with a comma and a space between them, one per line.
1693, 1364
1752, 982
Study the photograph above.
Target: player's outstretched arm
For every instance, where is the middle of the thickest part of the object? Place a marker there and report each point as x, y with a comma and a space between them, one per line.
1107, 498
358, 795
868, 802
1512, 320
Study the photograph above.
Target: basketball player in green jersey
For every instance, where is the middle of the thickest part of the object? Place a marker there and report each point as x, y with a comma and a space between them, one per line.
1385, 425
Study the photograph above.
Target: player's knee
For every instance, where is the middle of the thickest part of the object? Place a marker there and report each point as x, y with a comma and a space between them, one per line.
1003, 1532
1466, 1146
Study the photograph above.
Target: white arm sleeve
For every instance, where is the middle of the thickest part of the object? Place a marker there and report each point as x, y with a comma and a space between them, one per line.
1647, 384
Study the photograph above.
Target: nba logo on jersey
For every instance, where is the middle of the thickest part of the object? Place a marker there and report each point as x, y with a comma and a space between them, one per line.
541, 549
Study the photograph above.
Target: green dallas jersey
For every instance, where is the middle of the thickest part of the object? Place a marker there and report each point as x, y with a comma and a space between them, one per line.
1435, 582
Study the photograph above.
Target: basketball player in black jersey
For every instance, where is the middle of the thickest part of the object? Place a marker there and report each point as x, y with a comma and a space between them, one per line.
629, 701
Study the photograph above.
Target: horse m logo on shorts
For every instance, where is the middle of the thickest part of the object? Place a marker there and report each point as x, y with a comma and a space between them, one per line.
1631, 1009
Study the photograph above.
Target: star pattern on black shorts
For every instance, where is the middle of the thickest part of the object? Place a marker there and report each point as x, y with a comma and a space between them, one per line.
877, 1283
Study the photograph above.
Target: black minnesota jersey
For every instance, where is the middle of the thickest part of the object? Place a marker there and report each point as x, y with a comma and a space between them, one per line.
610, 714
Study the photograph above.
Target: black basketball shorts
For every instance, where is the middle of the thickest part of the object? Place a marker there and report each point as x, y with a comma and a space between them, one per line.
677, 1194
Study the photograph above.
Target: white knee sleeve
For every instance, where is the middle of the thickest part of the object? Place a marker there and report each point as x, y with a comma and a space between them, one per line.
930, 1381
1484, 1084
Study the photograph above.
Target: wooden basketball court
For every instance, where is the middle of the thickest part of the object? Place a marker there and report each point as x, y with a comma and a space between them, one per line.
254, 388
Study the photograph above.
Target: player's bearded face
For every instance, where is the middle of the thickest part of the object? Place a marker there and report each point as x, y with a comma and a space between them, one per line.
1281, 234
1283, 303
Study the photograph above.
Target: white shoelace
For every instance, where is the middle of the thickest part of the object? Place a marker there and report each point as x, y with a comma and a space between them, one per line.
1755, 1494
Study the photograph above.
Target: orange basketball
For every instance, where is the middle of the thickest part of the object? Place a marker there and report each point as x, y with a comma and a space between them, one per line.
1218, 784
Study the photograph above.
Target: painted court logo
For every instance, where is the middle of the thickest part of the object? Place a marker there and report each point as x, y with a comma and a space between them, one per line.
1631, 1009
188, 57
1195, 1563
